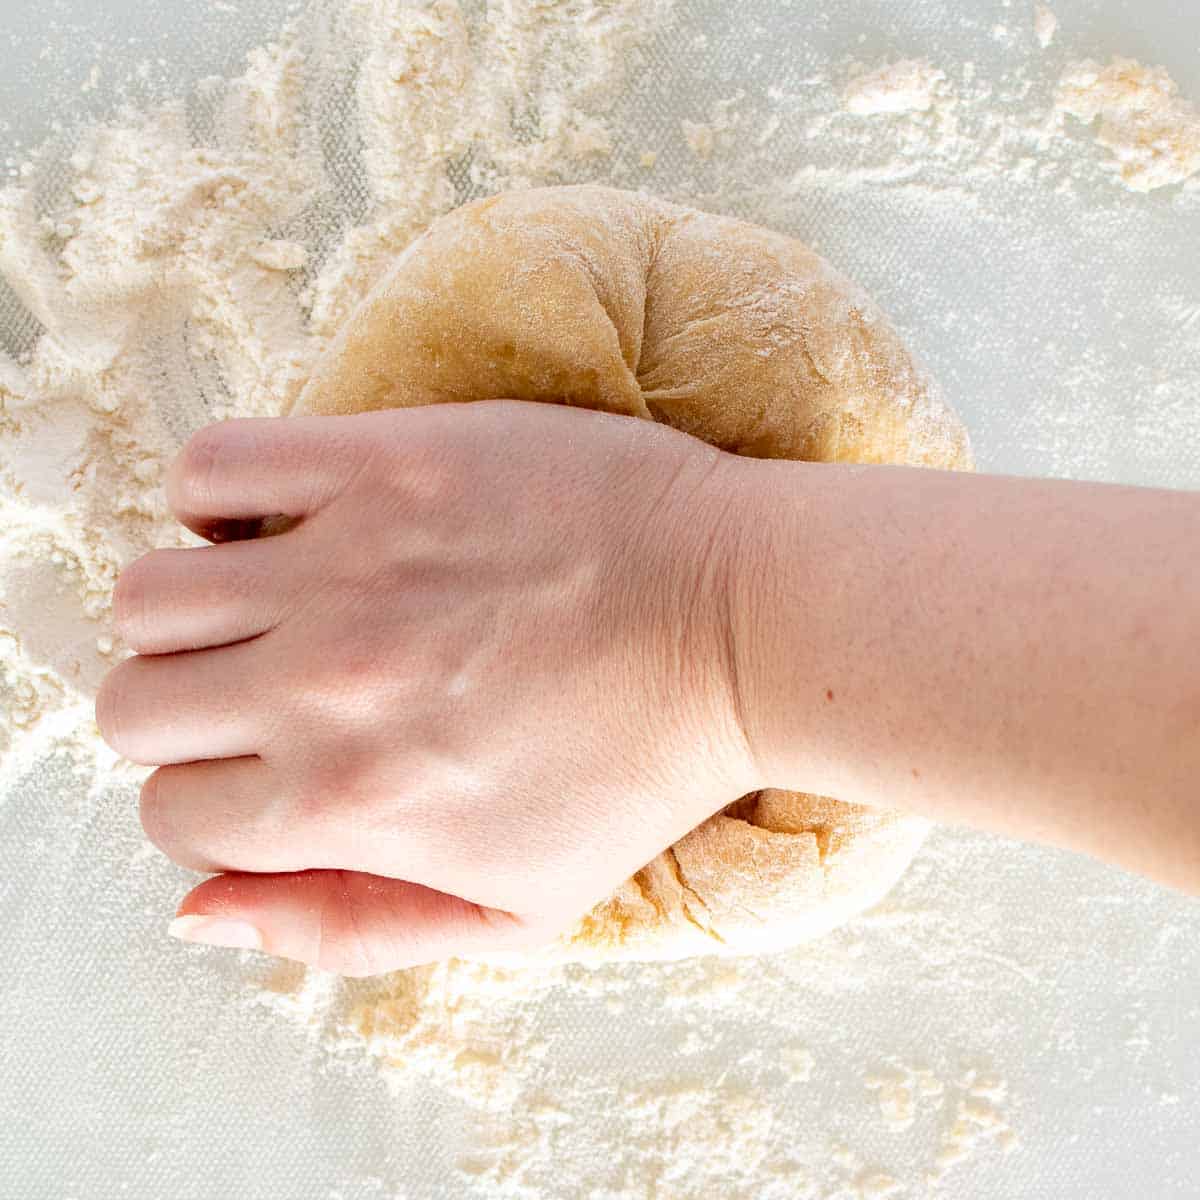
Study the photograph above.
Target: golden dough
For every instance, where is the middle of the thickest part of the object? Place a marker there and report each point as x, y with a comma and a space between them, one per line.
735, 334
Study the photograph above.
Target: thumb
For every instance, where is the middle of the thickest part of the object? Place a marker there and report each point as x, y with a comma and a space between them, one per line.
343, 921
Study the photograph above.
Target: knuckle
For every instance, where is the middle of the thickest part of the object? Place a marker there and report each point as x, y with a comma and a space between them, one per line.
155, 815
330, 673
131, 600
150, 812
341, 947
508, 931
333, 779
106, 717
325, 809
112, 709
194, 472
199, 458
339, 806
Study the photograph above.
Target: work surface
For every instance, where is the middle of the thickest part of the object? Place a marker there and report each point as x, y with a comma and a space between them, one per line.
1010, 1022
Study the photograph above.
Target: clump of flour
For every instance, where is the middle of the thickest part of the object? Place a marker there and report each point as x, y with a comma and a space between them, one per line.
1045, 25
899, 87
1152, 132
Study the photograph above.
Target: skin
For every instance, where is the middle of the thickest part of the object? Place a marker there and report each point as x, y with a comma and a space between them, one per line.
509, 652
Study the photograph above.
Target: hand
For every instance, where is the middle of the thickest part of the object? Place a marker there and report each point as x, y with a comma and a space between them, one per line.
484, 678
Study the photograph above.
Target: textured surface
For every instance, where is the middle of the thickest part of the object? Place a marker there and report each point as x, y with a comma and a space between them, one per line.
1061, 314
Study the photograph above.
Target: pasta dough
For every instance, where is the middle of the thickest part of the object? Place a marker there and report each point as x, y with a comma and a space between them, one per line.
743, 337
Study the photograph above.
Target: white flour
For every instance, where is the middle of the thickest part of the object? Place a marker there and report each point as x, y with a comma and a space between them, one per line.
1045, 25
1152, 131
473, 1033
187, 263
900, 87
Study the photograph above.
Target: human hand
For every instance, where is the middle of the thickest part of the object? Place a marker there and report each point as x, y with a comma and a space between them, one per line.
484, 678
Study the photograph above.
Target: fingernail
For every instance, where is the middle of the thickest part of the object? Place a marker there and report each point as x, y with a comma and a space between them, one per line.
216, 931
234, 529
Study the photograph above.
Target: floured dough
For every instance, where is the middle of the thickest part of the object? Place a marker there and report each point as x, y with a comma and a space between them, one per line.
737, 335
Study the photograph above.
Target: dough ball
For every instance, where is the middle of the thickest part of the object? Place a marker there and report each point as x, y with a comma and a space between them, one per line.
735, 334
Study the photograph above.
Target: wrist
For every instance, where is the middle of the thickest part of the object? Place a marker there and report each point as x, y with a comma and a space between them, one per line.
782, 618
750, 608
748, 580
702, 530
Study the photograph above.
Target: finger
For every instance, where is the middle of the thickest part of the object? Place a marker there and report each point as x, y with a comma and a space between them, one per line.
177, 708
343, 921
174, 600
229, 814
230, 475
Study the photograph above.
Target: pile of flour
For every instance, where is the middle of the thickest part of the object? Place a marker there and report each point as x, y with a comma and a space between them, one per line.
187, 263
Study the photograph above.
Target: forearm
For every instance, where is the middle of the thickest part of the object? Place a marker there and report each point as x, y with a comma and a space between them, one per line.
1013, 654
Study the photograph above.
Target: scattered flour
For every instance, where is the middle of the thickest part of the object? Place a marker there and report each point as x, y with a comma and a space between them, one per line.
979, 1119
1151, 130
1045, 25
901, 1090
188, 262
900, 87
976, 1111
699, 137
472, 1034
717, 132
